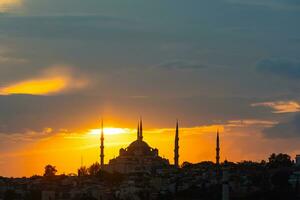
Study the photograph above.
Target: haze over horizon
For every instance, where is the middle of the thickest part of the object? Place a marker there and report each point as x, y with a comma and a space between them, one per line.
232, 65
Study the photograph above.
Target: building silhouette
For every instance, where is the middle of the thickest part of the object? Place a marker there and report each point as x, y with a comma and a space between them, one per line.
176, 148
139, 156
218, 150
102, 146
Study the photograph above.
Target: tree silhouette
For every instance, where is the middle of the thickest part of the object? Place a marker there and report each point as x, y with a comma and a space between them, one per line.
82, 171
186, 164
50, 171
94, 169
279, 161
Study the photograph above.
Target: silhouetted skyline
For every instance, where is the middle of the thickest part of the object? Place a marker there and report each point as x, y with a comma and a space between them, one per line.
232, 65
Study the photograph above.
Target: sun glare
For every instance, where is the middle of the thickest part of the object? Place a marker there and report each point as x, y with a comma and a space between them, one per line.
110, 131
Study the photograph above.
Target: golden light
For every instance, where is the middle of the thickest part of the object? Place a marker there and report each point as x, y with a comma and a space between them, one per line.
52, 80
67, 151
281, 106
109, 131
8, 4
36, 86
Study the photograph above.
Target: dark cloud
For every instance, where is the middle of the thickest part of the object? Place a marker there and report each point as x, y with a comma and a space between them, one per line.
20, 113
287, 129
87, 26
114, 43
182, 65
281, 67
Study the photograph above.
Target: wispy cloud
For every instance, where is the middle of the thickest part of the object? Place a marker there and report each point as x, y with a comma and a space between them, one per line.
250, 122
273, 4
182, 65
5, 59
7, 56
26, 137
52, 81
280, 106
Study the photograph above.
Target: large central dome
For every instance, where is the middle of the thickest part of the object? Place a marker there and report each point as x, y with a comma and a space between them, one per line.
139, 148
137, 157
138, 145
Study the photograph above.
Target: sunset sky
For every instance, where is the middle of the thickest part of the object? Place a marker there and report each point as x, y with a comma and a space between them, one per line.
232, 65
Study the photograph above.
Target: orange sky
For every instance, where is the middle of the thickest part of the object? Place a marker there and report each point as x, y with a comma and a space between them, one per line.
63, 65
26, 154
66, 150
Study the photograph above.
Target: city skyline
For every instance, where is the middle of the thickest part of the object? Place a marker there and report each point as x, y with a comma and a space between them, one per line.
232, 65
101, 134
89, 157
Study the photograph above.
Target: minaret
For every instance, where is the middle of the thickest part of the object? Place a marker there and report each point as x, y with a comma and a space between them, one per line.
176, 149
141, 130
102, 146
218, 150
138, 131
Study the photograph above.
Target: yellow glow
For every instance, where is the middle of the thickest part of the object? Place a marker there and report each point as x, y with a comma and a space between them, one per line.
66, 150
110, 131
36, 86
7, 4
52, 80
281, 106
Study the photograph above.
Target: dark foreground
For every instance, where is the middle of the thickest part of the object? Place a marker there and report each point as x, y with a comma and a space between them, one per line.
276, 179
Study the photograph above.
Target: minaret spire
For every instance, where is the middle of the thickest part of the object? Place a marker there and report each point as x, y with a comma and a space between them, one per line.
218, 149
138, 131
176, 149
141, 130
102, 146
